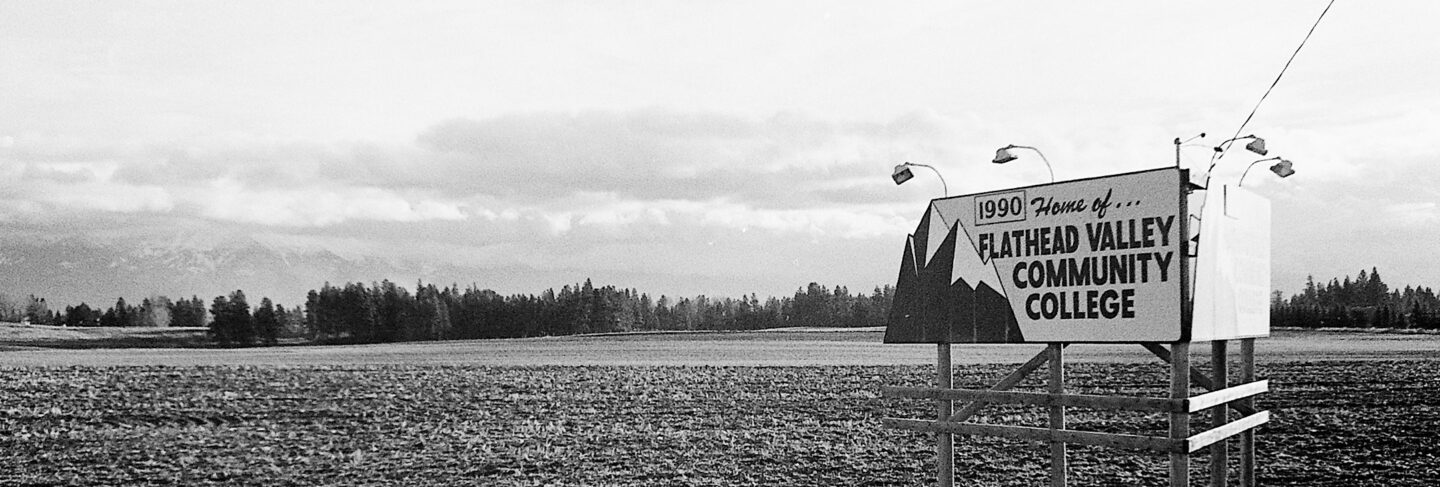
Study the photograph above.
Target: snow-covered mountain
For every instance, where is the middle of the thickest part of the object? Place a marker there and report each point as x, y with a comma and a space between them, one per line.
96, 271
98, 267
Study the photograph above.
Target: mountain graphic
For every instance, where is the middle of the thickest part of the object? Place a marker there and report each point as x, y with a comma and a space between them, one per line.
935, 300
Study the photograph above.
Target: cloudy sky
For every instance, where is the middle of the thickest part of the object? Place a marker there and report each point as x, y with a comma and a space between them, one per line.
696, 147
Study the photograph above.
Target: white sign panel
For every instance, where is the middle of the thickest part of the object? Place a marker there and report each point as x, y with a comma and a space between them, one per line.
1232, 274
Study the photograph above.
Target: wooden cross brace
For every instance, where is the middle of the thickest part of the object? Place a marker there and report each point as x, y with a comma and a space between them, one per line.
1018, 375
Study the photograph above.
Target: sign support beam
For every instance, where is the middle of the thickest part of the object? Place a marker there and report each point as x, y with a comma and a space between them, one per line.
1057, 414
1197, 377
1219, 415
1178, 442
1179, 422
944, 442
1247, 439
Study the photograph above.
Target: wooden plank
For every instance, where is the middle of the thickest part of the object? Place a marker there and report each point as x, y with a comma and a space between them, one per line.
1196, 376
944, 443
1125, 403
1005, 383
1220, 415
1211, 399
1179, 447
1179, 421
1057, 415
1247, 438
1132, 442
1232, 428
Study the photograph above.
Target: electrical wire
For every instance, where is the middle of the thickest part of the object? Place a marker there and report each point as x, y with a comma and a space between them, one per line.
1214, 158
1277, 77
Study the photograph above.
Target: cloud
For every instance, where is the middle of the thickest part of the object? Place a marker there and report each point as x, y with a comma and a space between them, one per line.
611, 216
39, 190
106, 197
782, 161
781, 171
227, 199
227, 178
655, 191
1417, 213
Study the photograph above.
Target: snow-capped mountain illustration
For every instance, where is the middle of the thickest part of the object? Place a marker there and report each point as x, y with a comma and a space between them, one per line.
952, 296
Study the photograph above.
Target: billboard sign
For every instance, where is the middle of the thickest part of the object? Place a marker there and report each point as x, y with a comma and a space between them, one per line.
1091, 260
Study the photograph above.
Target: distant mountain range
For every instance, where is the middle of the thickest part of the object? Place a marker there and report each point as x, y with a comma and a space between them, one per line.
99, 268
67, 271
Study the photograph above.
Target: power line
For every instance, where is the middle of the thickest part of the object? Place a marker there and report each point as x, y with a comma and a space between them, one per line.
1281, 75
1221, 154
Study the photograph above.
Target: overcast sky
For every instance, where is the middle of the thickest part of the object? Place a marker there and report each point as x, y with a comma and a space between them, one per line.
697, 147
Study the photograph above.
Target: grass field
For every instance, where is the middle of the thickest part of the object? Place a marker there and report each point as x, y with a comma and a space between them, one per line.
15, 336
779, 408
35, 346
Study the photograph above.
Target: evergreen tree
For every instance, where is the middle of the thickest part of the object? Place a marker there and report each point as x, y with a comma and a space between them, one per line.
267, 322
124, 316
81, 315
243, 322
109, 318
221, 328
232, 324
188, 313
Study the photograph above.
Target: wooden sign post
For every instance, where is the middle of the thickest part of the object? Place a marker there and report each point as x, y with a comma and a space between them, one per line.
944, 443
1103, 260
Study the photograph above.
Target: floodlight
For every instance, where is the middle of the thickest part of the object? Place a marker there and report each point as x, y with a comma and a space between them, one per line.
1004, 155
1283, 168
1257, 146
901, 174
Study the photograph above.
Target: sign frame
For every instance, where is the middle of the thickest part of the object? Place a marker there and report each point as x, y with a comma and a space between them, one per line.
1179, 443
918, 256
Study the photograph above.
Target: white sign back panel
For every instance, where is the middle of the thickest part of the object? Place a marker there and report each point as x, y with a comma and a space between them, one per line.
1232, 274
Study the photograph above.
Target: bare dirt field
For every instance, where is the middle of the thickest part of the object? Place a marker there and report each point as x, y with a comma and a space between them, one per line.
1348, 409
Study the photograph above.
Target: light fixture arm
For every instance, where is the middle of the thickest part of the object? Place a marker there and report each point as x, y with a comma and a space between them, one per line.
1247, 169
1222, 147
1042, 157
943, 186
1179, 143
1220, 151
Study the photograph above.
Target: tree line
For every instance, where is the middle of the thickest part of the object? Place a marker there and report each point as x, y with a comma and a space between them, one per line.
1364, 302
229, 319
152, 311
385, 311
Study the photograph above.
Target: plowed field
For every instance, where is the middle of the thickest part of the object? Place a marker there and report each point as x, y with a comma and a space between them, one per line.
1342, 422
